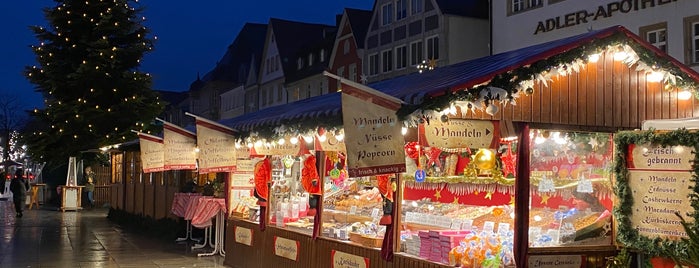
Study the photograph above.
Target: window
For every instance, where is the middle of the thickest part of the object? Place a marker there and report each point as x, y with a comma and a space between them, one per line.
353, 72
387, 61
656, 35
322, 55
401, 57
373, 64
300, 63
416, 53
401, 9
691, 40
310, 59
535, 3
264, 97
340, 73
517, 6
416, 6
346, 47
386, 14
433, 48
280, 93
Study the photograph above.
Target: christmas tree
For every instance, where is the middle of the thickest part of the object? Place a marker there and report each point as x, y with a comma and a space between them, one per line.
88, 59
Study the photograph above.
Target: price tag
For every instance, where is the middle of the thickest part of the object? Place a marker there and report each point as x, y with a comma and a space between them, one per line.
280, 219
353, 210
375, 213
489, 226
503, 228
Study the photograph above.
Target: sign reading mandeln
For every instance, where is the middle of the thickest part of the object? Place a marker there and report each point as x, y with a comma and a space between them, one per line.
461, 133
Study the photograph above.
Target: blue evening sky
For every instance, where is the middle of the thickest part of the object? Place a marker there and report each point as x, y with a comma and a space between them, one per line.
192, 36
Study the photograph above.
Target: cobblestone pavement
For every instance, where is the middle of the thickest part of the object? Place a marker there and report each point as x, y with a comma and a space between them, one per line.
47, 237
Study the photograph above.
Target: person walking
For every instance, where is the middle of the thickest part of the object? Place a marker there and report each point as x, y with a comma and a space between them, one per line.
90, 187
19, 187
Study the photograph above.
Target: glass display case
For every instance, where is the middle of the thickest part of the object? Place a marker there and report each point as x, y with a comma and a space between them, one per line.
288, 206
352, 207
571, 189
460, 210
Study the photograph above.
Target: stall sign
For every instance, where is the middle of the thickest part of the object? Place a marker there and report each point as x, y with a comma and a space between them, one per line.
557, 261
152, 154
346, 260
329, 144
179, 148
286, 248
656, 157
216, 147
243, 235
461, 133
372, 132
242, 180
246, 165
278, 149
657, 196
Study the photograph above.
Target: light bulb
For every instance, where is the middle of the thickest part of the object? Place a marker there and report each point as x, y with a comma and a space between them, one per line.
655, 76
684, 95
593, 58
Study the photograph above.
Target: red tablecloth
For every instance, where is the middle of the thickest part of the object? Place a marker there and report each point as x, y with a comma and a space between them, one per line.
206, 209
180, 203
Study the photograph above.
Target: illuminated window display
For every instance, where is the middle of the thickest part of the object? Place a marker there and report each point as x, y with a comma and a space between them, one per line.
571, 189
460, 210
352, 207
288, 206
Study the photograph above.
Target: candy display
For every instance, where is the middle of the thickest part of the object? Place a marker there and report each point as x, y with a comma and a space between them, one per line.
351, 211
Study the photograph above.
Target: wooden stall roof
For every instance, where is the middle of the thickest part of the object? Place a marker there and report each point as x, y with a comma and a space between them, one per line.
432, 90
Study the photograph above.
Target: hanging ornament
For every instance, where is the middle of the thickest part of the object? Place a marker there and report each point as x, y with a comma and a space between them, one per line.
444, 118
529, 91
484, 159
509, 161
412, 150
420, 175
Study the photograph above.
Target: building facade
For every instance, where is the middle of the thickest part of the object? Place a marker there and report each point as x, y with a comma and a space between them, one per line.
348, 50
670, 25
406, 33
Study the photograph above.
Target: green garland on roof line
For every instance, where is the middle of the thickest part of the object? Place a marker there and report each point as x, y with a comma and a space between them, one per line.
510, 81
626, 234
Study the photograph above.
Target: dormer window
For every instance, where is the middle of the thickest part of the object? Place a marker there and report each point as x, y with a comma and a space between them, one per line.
346, 47
299, 63
387, 14
310, 59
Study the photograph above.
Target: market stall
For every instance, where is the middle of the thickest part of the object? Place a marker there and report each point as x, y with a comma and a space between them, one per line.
544, 195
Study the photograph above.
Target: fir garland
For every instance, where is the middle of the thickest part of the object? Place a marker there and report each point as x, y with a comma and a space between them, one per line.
626, 234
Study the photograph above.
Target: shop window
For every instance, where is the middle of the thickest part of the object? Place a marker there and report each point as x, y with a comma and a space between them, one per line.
691, 37
416, 52
401, 9
386, 14
288, 206
571, 189
401, 57
387, 61
374, 64
656, 35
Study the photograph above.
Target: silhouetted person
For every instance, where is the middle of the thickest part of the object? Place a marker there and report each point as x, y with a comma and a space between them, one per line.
19, 187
